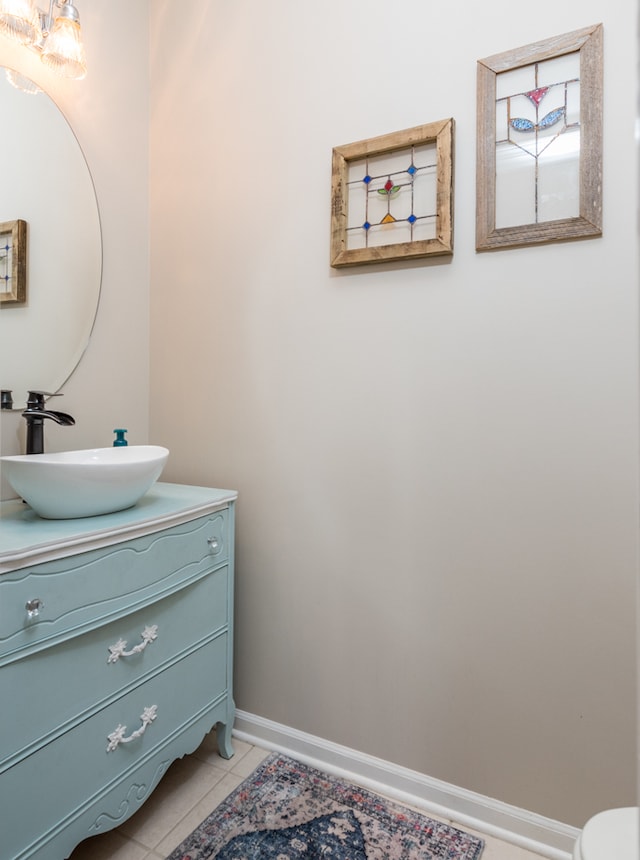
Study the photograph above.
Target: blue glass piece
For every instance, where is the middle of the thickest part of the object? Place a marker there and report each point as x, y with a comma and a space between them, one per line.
367, 179
551, 118
412, 170
366, 225
412, 219
521, 124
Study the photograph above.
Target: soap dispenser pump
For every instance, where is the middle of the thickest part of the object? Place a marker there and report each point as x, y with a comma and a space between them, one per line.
119, 440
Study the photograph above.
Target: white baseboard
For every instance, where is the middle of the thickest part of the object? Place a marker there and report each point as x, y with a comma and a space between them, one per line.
519, 827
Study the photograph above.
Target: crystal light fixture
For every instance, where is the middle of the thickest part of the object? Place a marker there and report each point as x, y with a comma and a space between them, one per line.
20, 21
63, 50
55, 34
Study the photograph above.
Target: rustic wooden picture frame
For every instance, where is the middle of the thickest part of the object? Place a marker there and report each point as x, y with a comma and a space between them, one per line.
588, 223
13, 246
441, 133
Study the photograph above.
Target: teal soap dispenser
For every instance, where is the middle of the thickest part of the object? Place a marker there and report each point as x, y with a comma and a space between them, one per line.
119, 440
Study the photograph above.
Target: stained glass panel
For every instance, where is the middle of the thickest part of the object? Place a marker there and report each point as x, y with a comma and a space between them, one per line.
13, 255
391, 198
539, 141
5, 264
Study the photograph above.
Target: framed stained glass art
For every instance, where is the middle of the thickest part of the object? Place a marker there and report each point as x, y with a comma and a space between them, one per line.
13, 262
539, 142
392, 196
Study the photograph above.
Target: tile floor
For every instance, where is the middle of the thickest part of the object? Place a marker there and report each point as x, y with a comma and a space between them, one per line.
189, 791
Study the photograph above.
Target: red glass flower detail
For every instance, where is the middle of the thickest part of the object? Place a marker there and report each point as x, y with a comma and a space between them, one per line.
389, 187
536, 96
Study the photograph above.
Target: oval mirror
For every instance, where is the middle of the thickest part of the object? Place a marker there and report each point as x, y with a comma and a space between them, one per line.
46, 185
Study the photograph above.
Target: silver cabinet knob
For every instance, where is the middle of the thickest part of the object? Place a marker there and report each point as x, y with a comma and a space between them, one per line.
214, 544
33, 607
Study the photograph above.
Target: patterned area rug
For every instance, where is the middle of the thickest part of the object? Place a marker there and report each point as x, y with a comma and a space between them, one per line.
289, 811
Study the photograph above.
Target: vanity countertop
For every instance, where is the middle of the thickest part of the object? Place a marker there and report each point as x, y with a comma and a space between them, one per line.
26, 538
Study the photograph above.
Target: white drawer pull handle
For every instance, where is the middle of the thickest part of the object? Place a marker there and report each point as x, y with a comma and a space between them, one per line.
117, 737
120, 648
33, 607
214, 544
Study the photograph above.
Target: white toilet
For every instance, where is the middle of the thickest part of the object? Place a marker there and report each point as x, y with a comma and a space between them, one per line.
610, 835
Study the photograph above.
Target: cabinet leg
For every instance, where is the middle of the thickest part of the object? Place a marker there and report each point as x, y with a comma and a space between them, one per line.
223, 736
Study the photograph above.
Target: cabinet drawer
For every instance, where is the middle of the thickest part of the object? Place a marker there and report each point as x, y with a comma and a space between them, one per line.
72, 772
93, 587
44, 691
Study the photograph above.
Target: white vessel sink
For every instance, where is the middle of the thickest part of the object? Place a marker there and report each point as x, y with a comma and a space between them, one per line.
85, 483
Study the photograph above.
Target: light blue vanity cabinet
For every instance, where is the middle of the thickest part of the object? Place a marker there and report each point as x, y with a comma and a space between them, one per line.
115, 659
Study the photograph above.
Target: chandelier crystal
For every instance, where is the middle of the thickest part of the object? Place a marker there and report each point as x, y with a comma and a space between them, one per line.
55, 35
20, 21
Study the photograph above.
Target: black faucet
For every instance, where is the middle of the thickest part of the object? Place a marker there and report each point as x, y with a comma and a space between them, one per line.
35, 414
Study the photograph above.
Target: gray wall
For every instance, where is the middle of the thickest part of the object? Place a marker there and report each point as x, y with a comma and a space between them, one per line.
437, 462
